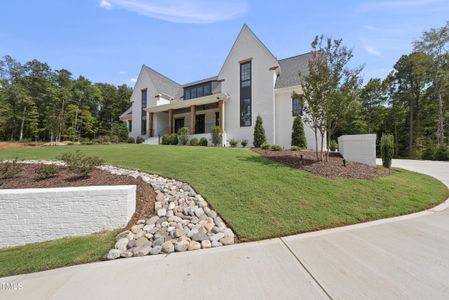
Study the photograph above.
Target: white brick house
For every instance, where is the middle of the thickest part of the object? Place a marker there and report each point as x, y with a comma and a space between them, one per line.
251, 82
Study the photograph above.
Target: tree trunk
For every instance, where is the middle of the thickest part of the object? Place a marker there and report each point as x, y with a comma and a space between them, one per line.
22, 124
316, 142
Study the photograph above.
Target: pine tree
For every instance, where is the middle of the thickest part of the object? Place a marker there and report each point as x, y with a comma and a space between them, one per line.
298, 135
259, 133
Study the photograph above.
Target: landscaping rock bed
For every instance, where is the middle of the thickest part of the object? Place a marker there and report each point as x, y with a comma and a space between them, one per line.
183, 221
334, 167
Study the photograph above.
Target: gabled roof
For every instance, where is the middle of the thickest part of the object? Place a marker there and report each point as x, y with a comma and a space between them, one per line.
213, 78
127, 114
291, 68
163, 84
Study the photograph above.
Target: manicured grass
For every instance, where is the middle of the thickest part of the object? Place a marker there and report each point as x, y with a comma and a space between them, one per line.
53, 254
260, 198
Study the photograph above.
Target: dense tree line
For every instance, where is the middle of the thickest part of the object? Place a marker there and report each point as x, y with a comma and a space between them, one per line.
411, 103
41, 104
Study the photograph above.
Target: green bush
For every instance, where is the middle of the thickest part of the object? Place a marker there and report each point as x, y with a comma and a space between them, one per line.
120, 130
203, 141
10, 169
80, 164
265, 146
298, 135
46, 171
295, 148
276, 147
170, 139
244, 143
131, 140
217, 135
139, 140
429, 152
233, 143
441, 153
332, 145
103, 139
194, 142
183, 135
387, 149
259, 133
86, 141
115, 139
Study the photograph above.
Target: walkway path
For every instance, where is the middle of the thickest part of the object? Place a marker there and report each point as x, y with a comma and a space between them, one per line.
399, 258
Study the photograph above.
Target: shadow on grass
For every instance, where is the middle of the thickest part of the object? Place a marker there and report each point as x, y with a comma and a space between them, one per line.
261, 160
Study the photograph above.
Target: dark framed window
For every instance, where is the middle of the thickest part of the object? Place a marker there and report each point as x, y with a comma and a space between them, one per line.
179, 123
245, 94
296, 107
200, 124
144, 113
199, 90
130, 125
217, 118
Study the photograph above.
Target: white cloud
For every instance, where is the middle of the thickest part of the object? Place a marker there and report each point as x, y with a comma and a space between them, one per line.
122, 72
399, 6
181, 11
371, 50
133, 80
105, 4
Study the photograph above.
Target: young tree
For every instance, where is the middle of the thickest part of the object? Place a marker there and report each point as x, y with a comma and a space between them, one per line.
330, 87
259, 133
435, 43
298, 135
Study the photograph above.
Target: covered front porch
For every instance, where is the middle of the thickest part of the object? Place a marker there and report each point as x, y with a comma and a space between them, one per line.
198, 115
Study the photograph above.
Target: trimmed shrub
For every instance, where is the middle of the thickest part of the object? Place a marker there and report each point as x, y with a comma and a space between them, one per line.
46, 171
103, 139
194, 142
120, 130
203, 142
265, 146
115, 139
441, 153
259, 133
170, 139
233, 143
131, 140
332, 145
298, 135
295, 148
276, 147
387, 149
183, 135
10, 169
217, 135
244, 143
429, 152
139, 140
80, 164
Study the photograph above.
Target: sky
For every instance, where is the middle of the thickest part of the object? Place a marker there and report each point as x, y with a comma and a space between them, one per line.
109, 40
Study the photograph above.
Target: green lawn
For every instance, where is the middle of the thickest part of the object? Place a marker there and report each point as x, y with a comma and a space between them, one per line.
54, 254
259, 198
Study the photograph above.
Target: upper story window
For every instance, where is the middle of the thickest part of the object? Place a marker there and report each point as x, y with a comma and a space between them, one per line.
245, 94
296, 107
199, 90
143, 128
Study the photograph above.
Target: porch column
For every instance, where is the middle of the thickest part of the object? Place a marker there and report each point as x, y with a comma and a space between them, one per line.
170, 121
150, 124
192, 119
221, 114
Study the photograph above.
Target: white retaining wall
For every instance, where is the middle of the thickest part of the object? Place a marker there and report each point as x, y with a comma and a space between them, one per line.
359, 148
36, 215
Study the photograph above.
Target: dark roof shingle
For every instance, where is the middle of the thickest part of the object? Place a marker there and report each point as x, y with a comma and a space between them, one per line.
291, 67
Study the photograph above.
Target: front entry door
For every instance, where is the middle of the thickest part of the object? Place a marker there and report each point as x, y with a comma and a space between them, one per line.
179, 123
200, 124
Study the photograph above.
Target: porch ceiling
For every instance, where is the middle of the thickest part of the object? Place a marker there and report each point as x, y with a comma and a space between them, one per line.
176, 104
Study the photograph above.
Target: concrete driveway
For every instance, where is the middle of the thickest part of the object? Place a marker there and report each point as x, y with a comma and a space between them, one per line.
399, 258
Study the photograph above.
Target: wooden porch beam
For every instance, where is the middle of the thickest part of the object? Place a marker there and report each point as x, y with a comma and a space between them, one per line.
170, 121
192, 119
221, 114
150, 124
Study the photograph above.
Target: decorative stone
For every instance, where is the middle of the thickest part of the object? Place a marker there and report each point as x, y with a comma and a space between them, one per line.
181, 246
216, 244
152, 220
121, 244
126, 254
125, 234
156, 250
216, 237
194, 246
227, 240
162, 212
205, 244
142, 242
113, 254
141, 251
168, 247
136, 228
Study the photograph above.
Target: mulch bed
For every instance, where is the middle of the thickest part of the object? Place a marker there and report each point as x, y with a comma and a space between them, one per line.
145, 196
332, 168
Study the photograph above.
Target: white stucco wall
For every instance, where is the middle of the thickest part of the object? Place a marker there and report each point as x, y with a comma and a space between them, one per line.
245, 47
36, 215
284, 121
359, 148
